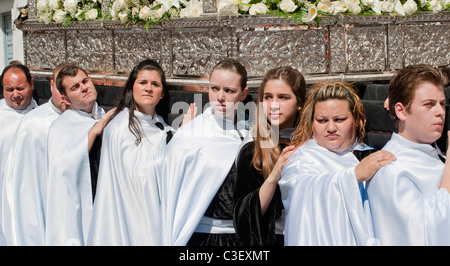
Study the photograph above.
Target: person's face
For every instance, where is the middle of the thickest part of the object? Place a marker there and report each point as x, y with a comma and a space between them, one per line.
280, 103
224, 91
56, 96
426, 117
17, 92
334, 127
147, 91
81, 93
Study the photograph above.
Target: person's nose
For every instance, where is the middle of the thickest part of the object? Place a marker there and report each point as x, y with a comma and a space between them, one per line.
16, 94
221, 96
331, 126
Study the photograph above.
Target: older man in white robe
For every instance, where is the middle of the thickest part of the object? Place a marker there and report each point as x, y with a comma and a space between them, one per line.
25, 175
18, 101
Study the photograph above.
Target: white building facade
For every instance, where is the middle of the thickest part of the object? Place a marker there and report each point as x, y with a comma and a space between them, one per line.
11, 40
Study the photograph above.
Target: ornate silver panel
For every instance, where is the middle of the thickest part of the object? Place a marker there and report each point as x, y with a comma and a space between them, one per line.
342, 47
305, 50
90, 49
425, 46
338, 47
366, 49
131, 47
196, 51
44, 50
209, 6
395, 47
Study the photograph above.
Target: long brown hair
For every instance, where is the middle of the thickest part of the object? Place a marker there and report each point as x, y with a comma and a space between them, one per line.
264, 159
326, 91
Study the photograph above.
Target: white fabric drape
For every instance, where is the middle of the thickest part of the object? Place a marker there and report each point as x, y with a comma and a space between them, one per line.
69, 190
322, 198
25, 179
127, 207
197, 160
404, 202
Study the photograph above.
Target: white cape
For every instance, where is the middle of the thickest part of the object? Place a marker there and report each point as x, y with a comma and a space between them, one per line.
127, 207
9, 121
322, 198
198, 158
404, 202
69, 191
25, 179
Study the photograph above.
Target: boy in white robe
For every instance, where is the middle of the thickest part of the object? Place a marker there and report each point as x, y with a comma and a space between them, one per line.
70, 141
25, 184
407, 201
18, 101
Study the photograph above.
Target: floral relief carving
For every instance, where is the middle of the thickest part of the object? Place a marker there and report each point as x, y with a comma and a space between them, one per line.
92, 50
44, 50
133, 47
425, 46
366, 49
196, 52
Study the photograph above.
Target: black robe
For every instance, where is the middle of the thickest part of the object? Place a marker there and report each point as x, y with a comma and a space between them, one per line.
252, 228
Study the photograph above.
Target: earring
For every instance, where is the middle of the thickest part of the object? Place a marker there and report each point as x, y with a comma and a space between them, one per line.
299, 108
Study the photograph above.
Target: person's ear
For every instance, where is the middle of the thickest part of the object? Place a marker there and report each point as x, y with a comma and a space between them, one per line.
400, 111
65, 99
244, 94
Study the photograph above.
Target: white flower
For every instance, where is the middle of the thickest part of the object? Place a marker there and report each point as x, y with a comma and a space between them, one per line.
324, 6
244, 7
167, 4
121, 4
158, 13
435, 6
410, 7
354, 8
351, 2
288, 6
91, 14
71, 6
423, 2
134, 10
338, 7
54, 4
227, 7
42, 5
45, 17
398, 8
375, 5
444, 3
258, 9
193, 9
123, 17
145, 13
312, 13
387, 6
58, 16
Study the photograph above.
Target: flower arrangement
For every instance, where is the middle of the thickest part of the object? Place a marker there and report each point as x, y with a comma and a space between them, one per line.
306, 11
65, 11
152, 11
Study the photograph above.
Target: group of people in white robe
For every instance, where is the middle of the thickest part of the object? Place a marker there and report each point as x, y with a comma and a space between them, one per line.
73, 174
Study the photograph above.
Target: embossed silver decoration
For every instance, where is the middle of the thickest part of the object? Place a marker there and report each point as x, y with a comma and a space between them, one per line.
342, 47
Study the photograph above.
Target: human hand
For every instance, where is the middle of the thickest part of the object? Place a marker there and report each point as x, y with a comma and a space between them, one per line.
190, 114
275, 175
370, 164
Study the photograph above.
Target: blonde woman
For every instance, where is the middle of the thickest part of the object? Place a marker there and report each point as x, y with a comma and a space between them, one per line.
321, 184
258, 210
